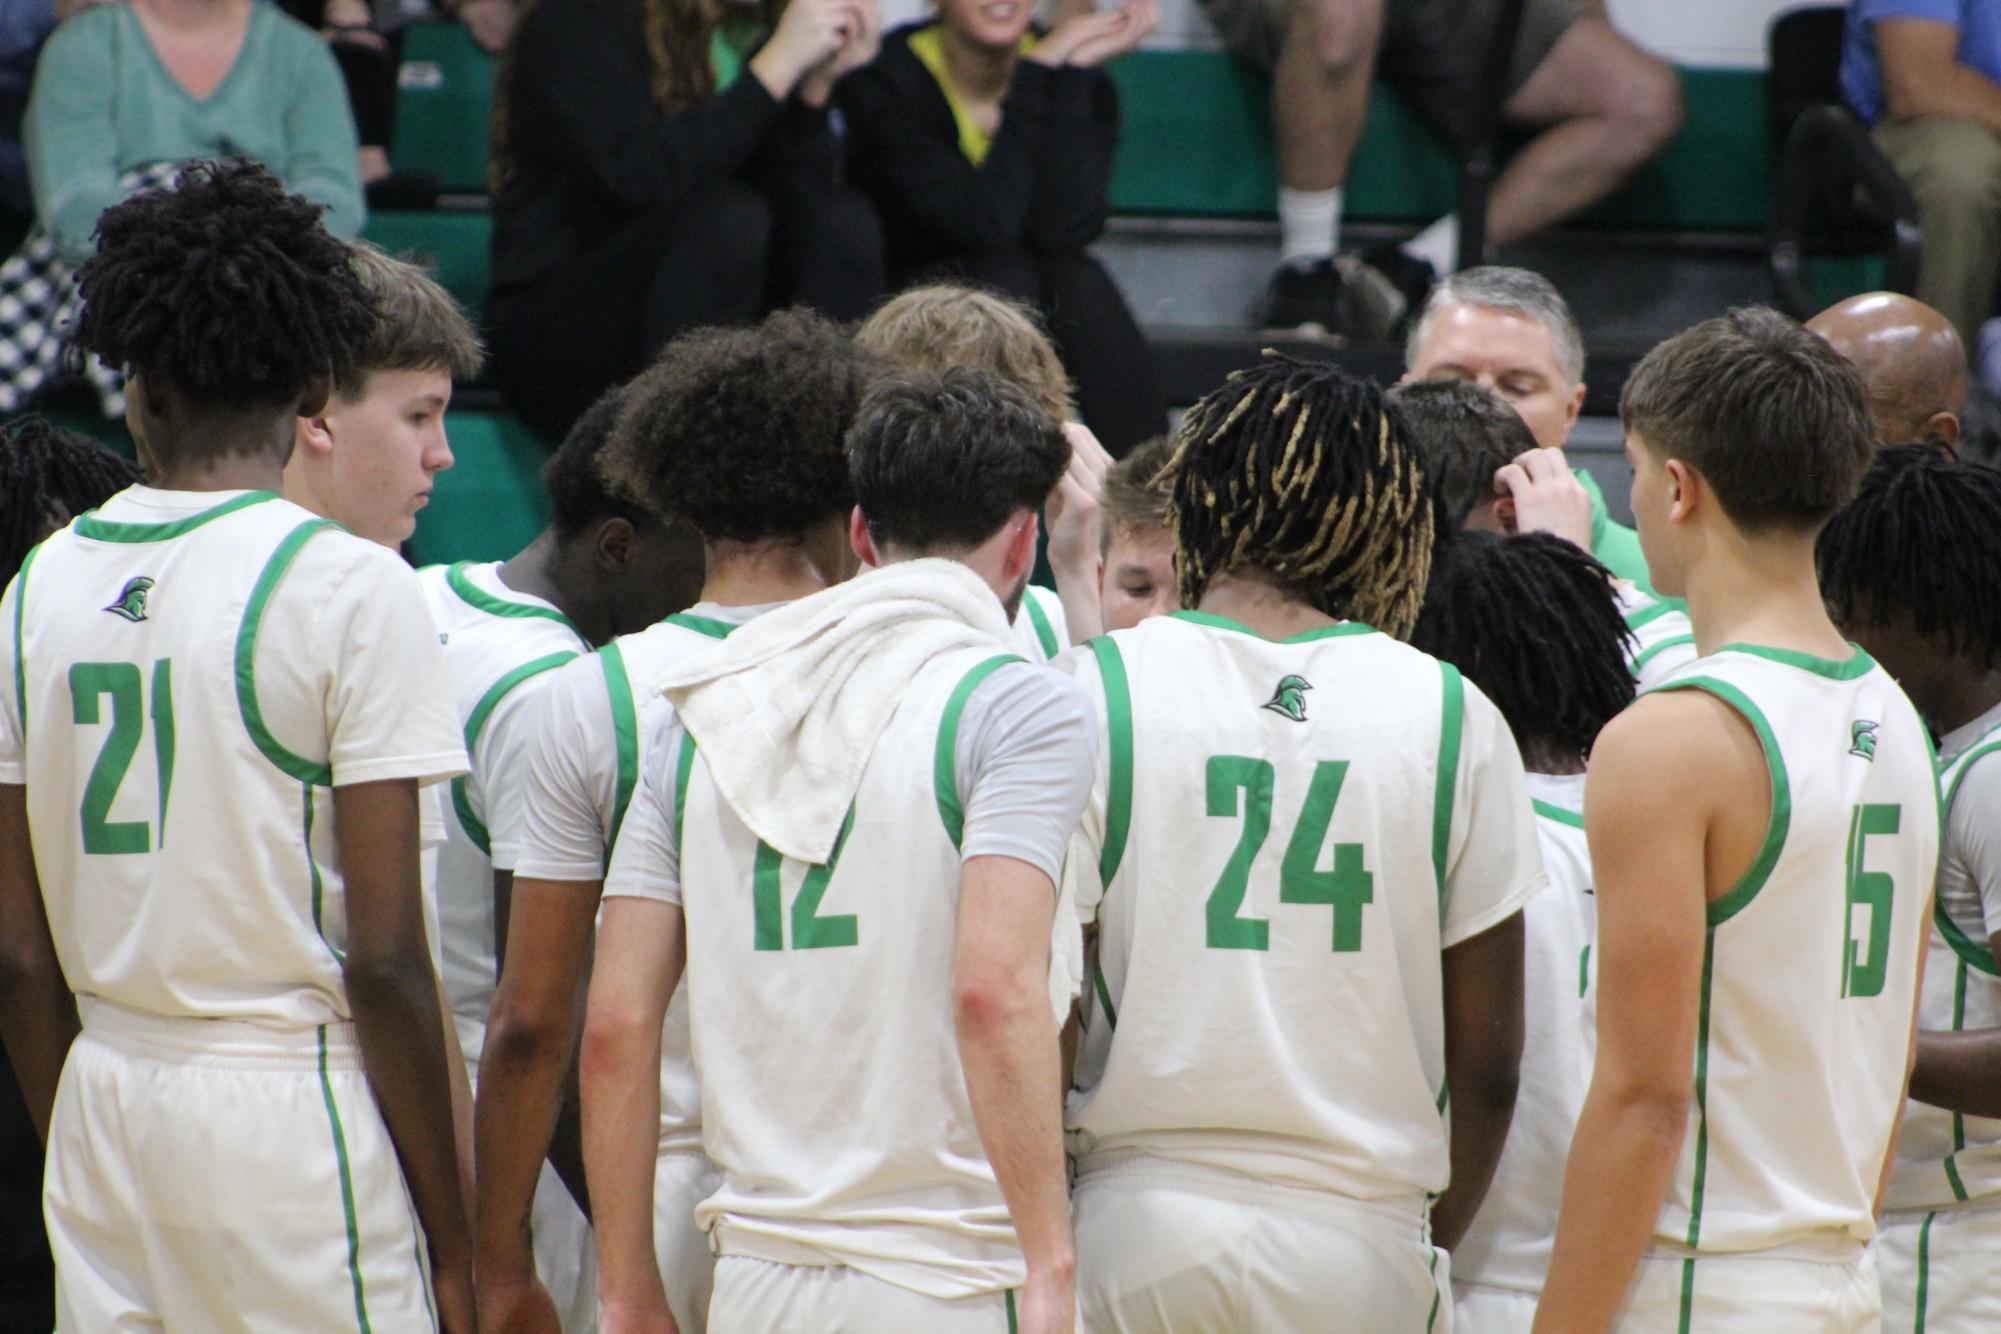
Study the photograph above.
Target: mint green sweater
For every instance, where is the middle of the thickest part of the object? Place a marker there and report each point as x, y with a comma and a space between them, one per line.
103, 104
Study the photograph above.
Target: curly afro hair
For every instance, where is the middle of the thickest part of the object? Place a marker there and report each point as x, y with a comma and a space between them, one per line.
225, 287
739, 431
578, 493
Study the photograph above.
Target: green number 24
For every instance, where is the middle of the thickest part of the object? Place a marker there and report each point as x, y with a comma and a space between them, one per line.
89, 682
1346, 887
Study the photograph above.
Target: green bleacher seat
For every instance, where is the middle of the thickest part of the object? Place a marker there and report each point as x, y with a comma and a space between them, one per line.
489, 504
452, 243
444, 104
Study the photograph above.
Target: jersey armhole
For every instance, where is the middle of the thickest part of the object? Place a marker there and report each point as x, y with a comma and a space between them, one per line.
1119, 754
297, 766
625, 733
475, 828
20, 658
1976, 954
1780, 820
1451, 730
944, 768
1045, 633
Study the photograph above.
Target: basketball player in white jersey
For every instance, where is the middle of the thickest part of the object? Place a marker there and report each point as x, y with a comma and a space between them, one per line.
222, 707
1532, 621
1309, 850
739, 433
1913, 570
852, 828
1754, 1024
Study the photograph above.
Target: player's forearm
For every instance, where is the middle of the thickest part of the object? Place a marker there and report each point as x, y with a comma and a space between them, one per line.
404, 1052
459, 1084
1954, 91
1960, 1072
1484, 1030
523, 1073
1483, 1107
1083, 613
620, 1076
1008, 1045
1621, 1161
37, 1024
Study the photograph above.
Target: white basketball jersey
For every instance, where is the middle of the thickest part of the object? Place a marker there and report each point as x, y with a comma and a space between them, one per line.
1945, 1158
1040, 627
1810, 969
499, 645
181, 751
1293, 832
1510, 1241
833, 1098
1663, 639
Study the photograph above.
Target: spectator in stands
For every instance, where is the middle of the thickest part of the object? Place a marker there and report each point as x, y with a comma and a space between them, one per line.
988, 149
1509, 331
1927, 75
1604, 108
662, 164
367, 45
123, 94
24, 26
1911, 360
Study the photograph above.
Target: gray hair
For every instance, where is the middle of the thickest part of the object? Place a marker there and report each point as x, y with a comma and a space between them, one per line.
1501, 288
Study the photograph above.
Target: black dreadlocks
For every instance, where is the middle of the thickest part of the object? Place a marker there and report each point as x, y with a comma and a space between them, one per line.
48, 476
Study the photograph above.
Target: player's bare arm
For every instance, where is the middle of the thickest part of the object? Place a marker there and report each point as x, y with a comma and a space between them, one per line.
525, 1077
639, 962
393, 990
1483, 1058
37, 1013
1662, 777
1073, 518
1960, 1072
1008, 1043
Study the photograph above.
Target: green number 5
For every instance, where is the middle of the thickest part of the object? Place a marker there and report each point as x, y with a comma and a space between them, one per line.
1864, 974
89, 682
1346, 887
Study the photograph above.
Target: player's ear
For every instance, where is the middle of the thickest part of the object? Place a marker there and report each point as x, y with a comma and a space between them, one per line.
1575, 408
312, 436
1944, 427
862, 540
1683, 482
612, 546
1021, 546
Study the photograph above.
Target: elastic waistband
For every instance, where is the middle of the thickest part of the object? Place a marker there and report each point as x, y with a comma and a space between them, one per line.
1132, 1169
218, 1043
1828, 1246
728, 1239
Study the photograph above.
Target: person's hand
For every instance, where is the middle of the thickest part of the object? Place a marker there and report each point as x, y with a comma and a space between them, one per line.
640, 1316
491, 22
1540, 494
1140, 17
1048, 1304
517, 1305
864, 41
452, 1291
809, 33
1063, 40
1072, 508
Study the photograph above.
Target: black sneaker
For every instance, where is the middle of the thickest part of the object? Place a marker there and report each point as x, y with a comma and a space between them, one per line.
1309, 299
1391, 285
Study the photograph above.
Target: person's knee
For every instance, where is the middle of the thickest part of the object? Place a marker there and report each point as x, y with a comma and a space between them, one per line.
1341, 35
735, 226
1951, 165
1650, 102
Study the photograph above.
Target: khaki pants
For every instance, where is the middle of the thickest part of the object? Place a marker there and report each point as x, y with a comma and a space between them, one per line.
1954, 168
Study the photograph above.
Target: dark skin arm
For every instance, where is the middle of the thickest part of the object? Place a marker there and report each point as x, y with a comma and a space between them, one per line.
393, 992
1961, 1072
1483, 1058
37, 1013
566, 1149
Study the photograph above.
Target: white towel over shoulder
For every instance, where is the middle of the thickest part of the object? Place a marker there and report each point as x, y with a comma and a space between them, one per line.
788, 708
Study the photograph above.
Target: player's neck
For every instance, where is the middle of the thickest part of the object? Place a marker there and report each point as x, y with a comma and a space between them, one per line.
753, 574
1760, 592
1963, 697
1272, 612
540, 570
224, 472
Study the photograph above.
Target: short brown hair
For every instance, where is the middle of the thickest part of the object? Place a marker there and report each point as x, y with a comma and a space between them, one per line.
1466, 435
1136, 492
1771, 416
943, 325
418, 326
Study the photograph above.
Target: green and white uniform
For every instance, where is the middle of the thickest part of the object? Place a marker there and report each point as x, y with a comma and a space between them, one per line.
1040, 626
188, 676
1289, 835
499, 647
1942, 1219
591, 723
1663, 639
856, 1194
1499, 1267
1799, 1069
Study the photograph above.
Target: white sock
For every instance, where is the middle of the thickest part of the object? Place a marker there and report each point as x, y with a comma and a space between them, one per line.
1437, 244
1309, 224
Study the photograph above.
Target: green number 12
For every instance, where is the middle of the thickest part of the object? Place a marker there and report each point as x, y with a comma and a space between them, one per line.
89, 682
1346, 887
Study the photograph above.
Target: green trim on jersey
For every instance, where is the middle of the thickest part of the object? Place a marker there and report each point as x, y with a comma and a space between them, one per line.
1958, 1119
346, 1192
305, 770
1119, 754
1760, 870
462, 802
316, 884
701, 625
163, 736
1646, 615
1045, 633
108, 530
1104, 990
944, 773
1013, 1321
20, 660
1215, 622
1548, 811
684, 768
1924, 1272
1975, 953
1856, 665
1701, 1111
1647, 654
493, 604
1452, 723
1687, 1295
625, 734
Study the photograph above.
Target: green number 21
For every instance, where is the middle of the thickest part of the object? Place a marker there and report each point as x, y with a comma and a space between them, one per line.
1346, 887
89, 682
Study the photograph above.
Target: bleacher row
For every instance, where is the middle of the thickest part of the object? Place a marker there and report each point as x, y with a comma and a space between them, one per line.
1196, 144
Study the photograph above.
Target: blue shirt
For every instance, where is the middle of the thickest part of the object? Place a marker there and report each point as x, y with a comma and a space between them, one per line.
1979, 24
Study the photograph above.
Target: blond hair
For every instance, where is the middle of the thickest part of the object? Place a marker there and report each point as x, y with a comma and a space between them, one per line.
936, 327
1137, 492
418, 326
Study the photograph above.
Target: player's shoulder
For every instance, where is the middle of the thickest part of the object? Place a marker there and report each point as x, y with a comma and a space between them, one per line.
1022, 688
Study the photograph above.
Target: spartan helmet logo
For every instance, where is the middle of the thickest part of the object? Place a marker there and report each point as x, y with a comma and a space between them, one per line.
131, 602
1862, 740
1289, 698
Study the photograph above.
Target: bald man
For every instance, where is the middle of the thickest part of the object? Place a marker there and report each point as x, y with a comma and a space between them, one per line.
1912, 360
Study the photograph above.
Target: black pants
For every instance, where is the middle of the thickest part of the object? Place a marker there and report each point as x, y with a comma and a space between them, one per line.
723, 257
1118, 393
